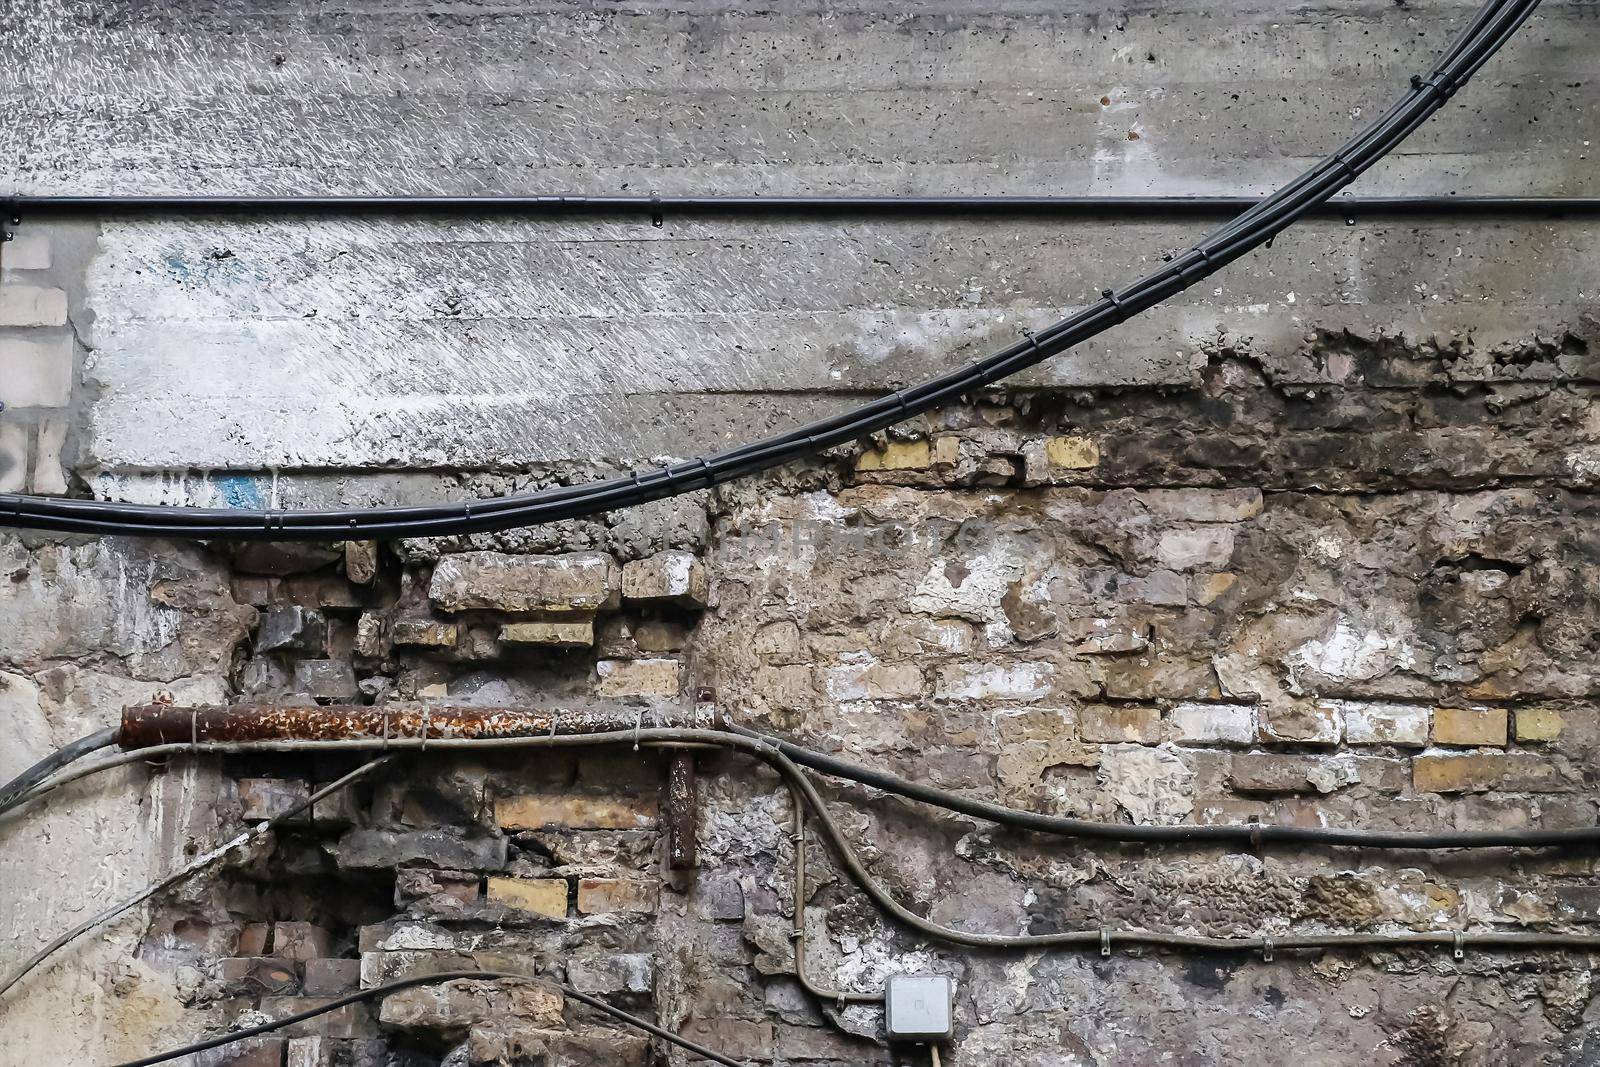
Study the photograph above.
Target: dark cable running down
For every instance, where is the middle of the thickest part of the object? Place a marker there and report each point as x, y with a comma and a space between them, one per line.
1487, 31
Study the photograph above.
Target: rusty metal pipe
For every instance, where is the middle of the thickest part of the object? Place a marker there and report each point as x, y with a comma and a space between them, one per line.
147, 725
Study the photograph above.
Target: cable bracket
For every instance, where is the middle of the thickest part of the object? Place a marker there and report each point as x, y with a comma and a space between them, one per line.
1432, 81
1460, 951
1266, 950
1105, 941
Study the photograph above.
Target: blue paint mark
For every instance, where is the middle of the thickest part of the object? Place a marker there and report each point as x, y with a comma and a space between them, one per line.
239, 491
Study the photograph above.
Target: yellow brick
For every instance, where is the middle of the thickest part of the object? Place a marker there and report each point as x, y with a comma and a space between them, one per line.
896, 456
576, 812
542, 896
1074, 453
1469, 726
946, 450
1538, 724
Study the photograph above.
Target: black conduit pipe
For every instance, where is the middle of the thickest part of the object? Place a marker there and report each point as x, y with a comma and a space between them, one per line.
1486, 32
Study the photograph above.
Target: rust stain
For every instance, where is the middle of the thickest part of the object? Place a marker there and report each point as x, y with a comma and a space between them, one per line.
160, 724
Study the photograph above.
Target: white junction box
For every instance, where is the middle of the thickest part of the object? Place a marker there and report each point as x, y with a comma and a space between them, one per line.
920, 1007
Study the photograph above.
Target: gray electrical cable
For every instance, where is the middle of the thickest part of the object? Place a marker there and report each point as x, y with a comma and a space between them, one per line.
432, 979
1102, 937
52, 763
194, 866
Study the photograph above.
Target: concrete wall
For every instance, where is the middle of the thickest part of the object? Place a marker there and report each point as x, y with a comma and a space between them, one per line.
1315, 543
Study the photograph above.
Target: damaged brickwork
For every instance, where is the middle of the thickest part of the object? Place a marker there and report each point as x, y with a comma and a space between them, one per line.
1317, 545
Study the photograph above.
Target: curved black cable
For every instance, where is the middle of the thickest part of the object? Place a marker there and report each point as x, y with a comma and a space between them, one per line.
1485, 34
53, 763
433, 979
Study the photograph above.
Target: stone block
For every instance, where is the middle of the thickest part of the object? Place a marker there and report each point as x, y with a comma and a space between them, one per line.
253, 939
740, 1039
291, 628
630, 973
327, 680
554, 633
1195, 548
372, 636
1024, 681
254, 976
455, 1007
541, 896
1402, 725
653, 678
36, 373
598, 896
1537, 725
1302, 723
361, 561
14, 437
871, 680
1042, 460
1214, 724
1517, 772
32, 305
576, 811
1116, 723
423, 633
577, 582
1469, 726
381, 968
1272, 772
329, 976
896, 456
261, 799
677, 578
49, 466
590, 1047
300, 941
316, 1051
370, 850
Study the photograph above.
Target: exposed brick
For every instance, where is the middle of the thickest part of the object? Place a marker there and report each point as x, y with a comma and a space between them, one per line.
576, 811
381, 968
300, 941
591, 1047
896, 456
253, 939
1538, 724
1218, 724
32, 305
1471, 772
256, 976
326, 680
329, 976
49, 466
1114, 723
421, 883
676, 577
364, 849
1469, 726
348, 1021
541, 896
632, 972
598, 896
581, 582
35, 373
315, 1051
570, 633
261, 799
735, 1038
1403, 725
251, 1052
453, 1007
657, 678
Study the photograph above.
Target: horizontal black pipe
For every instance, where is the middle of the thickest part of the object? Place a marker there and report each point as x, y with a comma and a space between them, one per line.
1055, 206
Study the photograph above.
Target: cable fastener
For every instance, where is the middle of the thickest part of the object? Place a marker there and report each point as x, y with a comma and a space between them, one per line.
1266, 950
1460, 951
1105, 941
